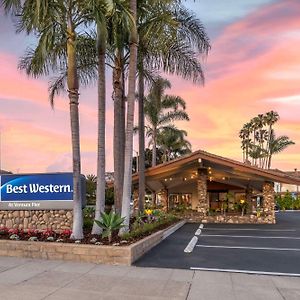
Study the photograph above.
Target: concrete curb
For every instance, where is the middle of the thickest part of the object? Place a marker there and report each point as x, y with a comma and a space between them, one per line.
171, 230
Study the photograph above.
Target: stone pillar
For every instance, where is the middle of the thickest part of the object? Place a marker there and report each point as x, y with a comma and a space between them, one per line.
269, 202
203, 202
248, 194
164, 199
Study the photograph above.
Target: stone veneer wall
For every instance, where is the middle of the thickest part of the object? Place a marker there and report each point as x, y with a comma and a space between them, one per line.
246, 219
268, 200
36, 219
203, 205
115, 255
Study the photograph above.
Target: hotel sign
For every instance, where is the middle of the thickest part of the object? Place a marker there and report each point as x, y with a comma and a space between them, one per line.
37, 191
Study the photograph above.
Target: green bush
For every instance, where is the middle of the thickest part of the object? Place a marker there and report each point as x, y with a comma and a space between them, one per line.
147, 228
285, 202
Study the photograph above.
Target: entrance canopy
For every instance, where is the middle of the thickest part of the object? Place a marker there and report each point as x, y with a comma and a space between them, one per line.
221, 172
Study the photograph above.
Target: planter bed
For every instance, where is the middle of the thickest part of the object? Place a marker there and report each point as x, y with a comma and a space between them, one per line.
116, 255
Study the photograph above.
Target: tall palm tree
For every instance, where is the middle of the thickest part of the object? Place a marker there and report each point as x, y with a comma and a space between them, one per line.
119, 26
130, 120
55, 24
172, 39
103, 15
161, 110
277, 145
271, 118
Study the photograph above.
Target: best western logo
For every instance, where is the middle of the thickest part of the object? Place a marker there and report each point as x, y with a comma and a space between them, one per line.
37, 188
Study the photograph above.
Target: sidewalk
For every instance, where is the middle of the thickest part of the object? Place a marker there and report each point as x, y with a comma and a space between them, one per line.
41, 279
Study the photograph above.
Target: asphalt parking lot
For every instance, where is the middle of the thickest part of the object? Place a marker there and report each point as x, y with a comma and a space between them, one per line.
259, 249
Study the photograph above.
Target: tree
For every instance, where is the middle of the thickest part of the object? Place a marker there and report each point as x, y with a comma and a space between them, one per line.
55, 24
259, 140
171, 39
130, 121
160, 111
173, 143
277, 145
119, 26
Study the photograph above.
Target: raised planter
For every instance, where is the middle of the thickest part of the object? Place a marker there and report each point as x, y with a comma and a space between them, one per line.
114, 255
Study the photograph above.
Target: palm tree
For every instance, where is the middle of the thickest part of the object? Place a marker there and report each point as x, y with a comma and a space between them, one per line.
277, 145
119, 26
103, 19
130, 120
271, 118
161, 110
56, 27
170, 38
173, 143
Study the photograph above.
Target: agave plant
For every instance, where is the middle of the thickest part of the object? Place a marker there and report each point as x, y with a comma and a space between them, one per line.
110, 223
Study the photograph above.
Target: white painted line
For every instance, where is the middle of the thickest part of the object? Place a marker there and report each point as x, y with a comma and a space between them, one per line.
201, 226
246, 272
252, 236
249, 248
190, 247
198, 232
249, 229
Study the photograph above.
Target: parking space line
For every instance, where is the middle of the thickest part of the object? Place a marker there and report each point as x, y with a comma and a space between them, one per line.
250, 229
201, 226
248, 248
252, 236
245, 271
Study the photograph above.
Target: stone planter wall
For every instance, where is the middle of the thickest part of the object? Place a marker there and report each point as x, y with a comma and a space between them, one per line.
36, 219
114, 255
246, 219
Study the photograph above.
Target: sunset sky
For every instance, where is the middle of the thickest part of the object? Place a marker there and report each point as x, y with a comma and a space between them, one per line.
253, 67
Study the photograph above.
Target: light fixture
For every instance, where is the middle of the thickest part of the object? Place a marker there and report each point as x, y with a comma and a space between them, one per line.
166, 179
184, 178
199, 160
223, 178
171, 179
210, 178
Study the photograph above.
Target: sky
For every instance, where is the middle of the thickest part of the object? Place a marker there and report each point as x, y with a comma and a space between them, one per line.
253, 67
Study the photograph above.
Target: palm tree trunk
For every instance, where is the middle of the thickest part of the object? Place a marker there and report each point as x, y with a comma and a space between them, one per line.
100, 191
118, 132
141, 141
73, 86
130, 123
154, 148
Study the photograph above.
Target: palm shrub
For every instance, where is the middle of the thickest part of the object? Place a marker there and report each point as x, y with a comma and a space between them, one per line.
110, 223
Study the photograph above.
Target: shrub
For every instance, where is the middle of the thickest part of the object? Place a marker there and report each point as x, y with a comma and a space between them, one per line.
4, 231
48, 232
148, 228
110, 223
66, 233
32, 232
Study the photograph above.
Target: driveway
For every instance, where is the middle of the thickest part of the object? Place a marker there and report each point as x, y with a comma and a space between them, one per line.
258, 249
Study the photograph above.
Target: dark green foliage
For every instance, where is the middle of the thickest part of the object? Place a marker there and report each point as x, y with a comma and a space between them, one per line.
147, 228
287, 201
110, 223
